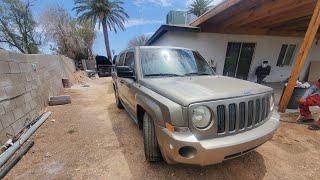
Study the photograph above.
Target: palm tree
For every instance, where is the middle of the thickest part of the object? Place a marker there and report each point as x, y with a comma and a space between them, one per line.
199, 7
109, 13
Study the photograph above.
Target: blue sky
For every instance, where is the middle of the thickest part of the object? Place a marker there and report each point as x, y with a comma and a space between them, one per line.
145, 18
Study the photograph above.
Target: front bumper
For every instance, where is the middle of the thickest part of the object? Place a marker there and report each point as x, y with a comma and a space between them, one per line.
215, 150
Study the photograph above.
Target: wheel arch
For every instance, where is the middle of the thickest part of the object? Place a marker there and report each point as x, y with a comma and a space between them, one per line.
147, 105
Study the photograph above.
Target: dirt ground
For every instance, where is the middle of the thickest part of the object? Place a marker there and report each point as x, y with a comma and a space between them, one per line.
92, 139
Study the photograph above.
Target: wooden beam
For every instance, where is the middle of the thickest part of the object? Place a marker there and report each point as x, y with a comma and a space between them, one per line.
305, 10
301, 57
268, 9
216, 10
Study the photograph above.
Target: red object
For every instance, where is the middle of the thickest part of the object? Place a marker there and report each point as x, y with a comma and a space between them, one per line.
313, 100
318, 83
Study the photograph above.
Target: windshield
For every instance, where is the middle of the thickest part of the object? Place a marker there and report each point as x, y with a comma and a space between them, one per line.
173, 62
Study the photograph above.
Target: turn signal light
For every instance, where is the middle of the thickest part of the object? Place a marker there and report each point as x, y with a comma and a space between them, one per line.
170, 127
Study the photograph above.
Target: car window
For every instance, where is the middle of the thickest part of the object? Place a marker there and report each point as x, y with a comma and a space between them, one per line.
173, 62
129, 61
120, 61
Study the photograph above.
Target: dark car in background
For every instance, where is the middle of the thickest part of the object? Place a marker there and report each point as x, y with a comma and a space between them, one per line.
104, 66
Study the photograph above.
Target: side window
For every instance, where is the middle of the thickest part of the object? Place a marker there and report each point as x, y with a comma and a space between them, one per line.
286, 55
120, 60
129, 60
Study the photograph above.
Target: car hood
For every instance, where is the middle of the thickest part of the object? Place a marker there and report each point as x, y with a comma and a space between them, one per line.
187, 90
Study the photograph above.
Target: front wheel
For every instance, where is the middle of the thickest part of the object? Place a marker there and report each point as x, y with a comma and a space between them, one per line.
151, 147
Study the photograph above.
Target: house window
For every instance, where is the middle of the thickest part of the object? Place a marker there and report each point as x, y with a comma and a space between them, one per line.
286, 55
238, 59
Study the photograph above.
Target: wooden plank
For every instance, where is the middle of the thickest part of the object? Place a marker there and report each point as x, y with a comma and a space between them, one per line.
283, 14
268, 9
286, 16
216, 10
301, 57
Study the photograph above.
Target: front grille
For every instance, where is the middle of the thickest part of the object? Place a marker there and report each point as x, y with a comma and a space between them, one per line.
232, 117
235, 117
221, 118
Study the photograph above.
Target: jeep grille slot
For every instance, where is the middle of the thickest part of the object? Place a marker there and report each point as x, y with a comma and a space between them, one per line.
232, 117
221, 118
243, 115
263, 109
258, 111
250, 113
268, 107
242, 111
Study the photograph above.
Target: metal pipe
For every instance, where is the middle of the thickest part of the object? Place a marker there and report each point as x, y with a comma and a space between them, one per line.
23, 138
8, 166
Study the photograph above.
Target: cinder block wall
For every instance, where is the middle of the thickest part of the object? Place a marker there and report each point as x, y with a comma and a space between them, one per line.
26, 82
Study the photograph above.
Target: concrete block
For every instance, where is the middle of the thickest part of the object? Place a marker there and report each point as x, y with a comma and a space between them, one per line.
33, 114
2, 111
17, 57
27, 97
13, 91
26, 108
7, 119
19, 112
8, 105
28, 76
4, 80
4, 55
4, 67
18, 125
33, 93
14, 67
25, 67
3, 94
4, 134
10, 79
28, 86
20, 101
33, 104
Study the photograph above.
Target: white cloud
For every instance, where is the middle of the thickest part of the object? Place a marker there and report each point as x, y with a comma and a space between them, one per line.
139, 22
214, 2
133, 22
162, 3
149, 33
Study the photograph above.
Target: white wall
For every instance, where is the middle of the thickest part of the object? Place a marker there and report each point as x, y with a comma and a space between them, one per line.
214, 46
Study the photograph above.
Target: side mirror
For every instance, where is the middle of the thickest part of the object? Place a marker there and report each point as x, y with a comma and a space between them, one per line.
125, 72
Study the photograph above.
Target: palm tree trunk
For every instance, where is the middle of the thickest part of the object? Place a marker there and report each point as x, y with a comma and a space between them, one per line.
106, 39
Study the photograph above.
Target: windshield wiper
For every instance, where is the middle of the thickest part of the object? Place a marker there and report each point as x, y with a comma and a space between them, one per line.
197, 74
163, 74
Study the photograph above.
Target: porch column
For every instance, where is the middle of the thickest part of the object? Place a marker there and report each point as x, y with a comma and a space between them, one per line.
301, 57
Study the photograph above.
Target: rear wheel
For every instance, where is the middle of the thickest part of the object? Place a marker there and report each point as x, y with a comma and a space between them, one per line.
118, 102
151, 147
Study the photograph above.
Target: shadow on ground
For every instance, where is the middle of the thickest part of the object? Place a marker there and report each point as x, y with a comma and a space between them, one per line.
250, 166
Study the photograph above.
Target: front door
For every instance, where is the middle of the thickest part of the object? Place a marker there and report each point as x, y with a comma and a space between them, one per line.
128, 83
238, 59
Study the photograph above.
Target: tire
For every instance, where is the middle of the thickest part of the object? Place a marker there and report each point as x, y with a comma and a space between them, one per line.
118, 102
151, 147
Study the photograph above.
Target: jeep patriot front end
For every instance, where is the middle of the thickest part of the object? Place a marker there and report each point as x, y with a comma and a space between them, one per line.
188, 114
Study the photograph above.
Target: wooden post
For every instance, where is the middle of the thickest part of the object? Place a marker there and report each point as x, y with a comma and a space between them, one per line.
301, 57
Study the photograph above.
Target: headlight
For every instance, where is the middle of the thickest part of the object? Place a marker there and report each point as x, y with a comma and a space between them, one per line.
271, 100
201, 117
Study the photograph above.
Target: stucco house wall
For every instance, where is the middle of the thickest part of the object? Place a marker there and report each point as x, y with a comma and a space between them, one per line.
214, 46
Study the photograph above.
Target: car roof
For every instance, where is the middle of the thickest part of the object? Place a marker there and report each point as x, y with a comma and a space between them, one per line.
168, 47
153, 47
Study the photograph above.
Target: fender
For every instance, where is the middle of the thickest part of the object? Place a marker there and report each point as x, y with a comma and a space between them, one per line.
152, 108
